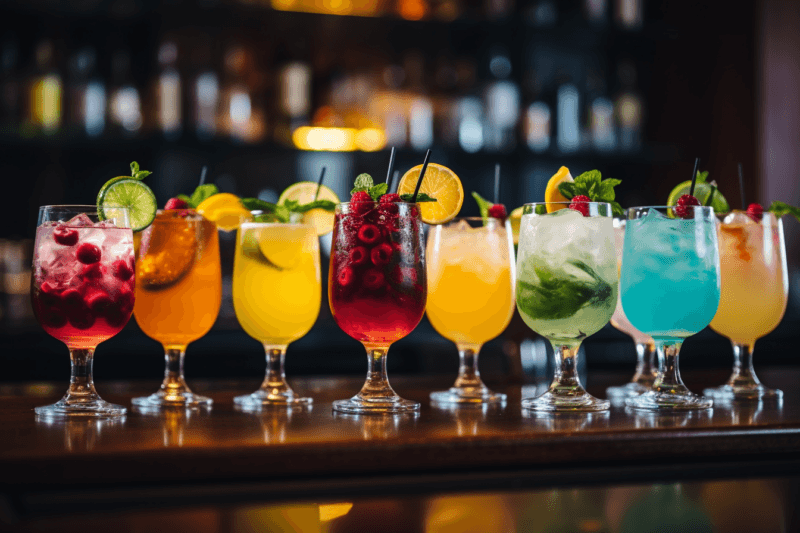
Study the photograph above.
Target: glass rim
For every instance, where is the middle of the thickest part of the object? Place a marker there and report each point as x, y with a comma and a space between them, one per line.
564, 203
378, 202
668, 207
255, 222
79, 206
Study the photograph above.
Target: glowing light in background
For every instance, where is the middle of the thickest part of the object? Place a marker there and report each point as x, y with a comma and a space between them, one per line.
370, 140
568, 131
339, 139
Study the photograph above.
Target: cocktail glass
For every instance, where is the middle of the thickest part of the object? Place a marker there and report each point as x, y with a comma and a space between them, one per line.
670, 286
755, 289
471, 273
566, 291
82, 293
276, 295
178, 294
377, 291
645, 373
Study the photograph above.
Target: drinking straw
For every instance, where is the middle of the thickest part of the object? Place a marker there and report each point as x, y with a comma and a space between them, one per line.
319, 183
395, 177
421, 175
741, 187
497, 183
391, 168
203, 174
694, 176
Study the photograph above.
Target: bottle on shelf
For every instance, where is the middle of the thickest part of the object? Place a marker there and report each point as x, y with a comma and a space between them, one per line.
86, 95
628, 107
45, 93
236, 105
294, 93
538, 128
205, 94
568, 127
629, 14
419, 106
599, 116
124, 101
501, 102
169, 88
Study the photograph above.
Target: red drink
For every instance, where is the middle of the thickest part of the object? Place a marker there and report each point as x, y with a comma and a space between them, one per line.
377, 286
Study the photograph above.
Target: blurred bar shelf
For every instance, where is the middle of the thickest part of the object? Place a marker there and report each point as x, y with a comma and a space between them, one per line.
222, 456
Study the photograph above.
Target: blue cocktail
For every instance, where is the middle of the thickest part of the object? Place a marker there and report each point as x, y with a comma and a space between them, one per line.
670, 287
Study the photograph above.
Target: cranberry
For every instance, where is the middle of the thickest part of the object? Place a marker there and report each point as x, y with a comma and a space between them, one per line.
98, 301
358, 255
122, 270
65, 236
580, 204
71, 299
116, 317
369, 234
88, 253
374, 279
345, 277
381, 254
684, 203
93, 271
48, 294
82, 318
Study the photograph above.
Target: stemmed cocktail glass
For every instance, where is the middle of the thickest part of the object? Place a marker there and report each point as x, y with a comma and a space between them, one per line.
755, 288
377, 290
471, 275
178, 295
566, 290
82, 293
276, 295
670, 286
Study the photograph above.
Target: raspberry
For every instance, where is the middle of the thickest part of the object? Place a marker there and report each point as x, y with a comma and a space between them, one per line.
361, 203
579, 204
176, 203
369, 234
65, 236
122, 270
684, 203
358, 255
755, 211
88, 253
374, 279
345, 277
388, 204
381, 254
498, 211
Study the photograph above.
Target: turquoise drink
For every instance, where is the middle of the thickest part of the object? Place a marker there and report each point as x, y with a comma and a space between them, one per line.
670, 289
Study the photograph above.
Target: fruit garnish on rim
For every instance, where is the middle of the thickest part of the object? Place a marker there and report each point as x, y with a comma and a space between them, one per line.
780, 208
705, 191
131, 193
580, 204
552, 194
439, 183
489, 209
684, 205
590, 185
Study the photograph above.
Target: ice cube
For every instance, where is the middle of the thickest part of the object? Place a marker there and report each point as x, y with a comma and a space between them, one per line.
80, 221
462, 225
737, 217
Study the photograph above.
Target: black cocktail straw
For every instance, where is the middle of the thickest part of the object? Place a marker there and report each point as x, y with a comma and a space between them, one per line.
393, 183
694, 176
497, 183
203, 174
421, 175
741, 187
319, 183
391, 168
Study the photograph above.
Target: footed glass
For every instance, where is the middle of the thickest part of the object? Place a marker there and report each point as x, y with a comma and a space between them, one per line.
566, 290
670, 286
82, 293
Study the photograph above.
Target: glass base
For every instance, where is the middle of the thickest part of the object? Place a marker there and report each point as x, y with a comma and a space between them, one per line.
260, 399
94, 408
626, 391
458, 395
359, 406
571, 401
755, 393
664, 401
182, 399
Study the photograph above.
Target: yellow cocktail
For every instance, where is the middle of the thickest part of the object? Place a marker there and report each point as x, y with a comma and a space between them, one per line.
178, 294
471, 279
276, 294
753, 298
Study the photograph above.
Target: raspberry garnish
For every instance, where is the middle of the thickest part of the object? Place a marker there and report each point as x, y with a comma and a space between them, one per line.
498, 211
381, 254
388, 206
755, 211
88, 253
122, 270
361, 203
685, 202
358, 255
176, 203
390, 198
369, 234
374, 279
345, 277
580, 204
65, 236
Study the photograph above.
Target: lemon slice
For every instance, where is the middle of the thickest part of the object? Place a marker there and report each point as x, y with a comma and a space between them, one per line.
439, 182
225, 210
283, 245
515, 219
304, 192
552, 194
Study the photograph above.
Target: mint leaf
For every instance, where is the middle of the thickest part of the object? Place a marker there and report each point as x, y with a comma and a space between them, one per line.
567, 189
617, 209
254, 204
327, 205
201, 193
185, 199
138, 174
701, 176
588, 178
363, 183
134, 168
483, 205
606, 190
376, 191
780, 208
421, 197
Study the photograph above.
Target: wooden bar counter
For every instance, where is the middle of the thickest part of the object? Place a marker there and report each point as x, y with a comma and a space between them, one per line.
179, 457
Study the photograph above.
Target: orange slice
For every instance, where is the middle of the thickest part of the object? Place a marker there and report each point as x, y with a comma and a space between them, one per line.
552, 194
225, 210
439, 182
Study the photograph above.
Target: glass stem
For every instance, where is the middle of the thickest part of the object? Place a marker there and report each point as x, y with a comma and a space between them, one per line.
174, 383
669, 379
566, 379
646, 368
744, 375
377, 388
469, 377
81, 383
275, 379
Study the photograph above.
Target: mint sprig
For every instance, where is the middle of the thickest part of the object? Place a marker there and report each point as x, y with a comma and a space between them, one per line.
201, 193
138, 174
483, 205
591, 184
364, 183
421, 197
780, 208
289, 211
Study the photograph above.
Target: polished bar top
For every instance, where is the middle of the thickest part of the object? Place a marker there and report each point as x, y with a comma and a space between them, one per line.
223, 445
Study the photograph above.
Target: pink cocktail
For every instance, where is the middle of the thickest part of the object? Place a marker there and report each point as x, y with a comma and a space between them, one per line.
82, 293
377, 290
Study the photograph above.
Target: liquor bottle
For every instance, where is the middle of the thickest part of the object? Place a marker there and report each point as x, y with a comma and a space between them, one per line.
628, 107
124, 101
294, 83
538, 121
568, 130
205, 92
86, 95
599, 114
502, 103
169, 92
419, 107
45, 92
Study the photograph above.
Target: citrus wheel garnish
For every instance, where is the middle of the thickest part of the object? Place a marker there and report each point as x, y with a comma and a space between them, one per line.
305, 192
225, 210
439, 182
552, 194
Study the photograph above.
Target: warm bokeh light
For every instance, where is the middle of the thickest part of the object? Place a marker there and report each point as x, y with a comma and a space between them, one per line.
363, 8
370, 140
339, 139
332, 511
